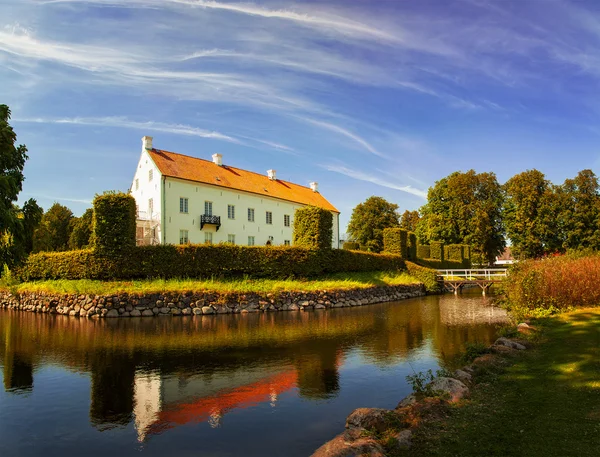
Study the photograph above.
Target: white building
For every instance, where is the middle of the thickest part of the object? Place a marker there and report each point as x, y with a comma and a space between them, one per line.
183, 199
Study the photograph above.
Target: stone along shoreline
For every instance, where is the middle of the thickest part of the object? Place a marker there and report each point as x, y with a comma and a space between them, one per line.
201, 303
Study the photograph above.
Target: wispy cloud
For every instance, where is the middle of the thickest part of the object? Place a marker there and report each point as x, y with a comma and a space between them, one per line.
58, 199
363, 176
121, 122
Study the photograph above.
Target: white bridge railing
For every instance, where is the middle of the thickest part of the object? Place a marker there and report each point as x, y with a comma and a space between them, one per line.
478, 274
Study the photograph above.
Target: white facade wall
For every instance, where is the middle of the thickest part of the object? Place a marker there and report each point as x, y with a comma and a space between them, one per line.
240, 226
143, 190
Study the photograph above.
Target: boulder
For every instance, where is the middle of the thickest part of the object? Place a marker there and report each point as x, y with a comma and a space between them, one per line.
463, 376
147, 313
372, 419
208, 310
112, 313
351, 443
407, 401
509, 343
404, 439
136, 313
453, 387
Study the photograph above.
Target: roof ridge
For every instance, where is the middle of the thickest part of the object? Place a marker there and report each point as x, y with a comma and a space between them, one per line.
229, 166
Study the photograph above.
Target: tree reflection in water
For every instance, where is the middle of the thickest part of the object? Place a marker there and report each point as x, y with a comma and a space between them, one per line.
163, 372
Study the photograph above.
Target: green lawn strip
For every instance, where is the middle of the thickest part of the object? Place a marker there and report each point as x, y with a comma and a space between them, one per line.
545, 403
339, 281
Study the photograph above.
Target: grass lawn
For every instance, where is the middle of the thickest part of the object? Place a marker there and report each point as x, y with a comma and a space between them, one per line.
340, 281
546, 403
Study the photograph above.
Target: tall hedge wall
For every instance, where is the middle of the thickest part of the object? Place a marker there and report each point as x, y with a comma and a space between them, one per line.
412, 246
426, 275
395, 241
453, 252
313, 228
423, 251
436, 251
113, 223
201, 261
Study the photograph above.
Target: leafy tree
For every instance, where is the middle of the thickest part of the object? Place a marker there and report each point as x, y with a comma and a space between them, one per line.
465, 208
368, 221
409, 220
525, 212
54, 230
16, 225
580, 215
81, 230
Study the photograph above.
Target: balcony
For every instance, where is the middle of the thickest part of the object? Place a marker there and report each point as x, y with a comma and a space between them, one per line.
213, 220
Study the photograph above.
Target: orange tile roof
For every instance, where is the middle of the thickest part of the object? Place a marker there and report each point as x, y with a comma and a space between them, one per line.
189, 168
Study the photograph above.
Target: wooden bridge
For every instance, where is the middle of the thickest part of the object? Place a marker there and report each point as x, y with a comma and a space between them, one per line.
484, 278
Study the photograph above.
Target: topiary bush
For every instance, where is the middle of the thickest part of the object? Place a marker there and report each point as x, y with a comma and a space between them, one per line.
395, 241
351, 246
454, 253
423, 251
412, 246
202, 261
437, 250
428, 276
313, 228
113, 223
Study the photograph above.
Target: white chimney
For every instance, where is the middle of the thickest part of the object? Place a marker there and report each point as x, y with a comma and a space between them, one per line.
272, 174
146, 142
314, 186
218, 159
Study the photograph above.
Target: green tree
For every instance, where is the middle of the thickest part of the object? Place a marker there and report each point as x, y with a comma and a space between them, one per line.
81, 230
525, 213
16, 224
54, 230
465, 208
409, 220
368, 221
580, 215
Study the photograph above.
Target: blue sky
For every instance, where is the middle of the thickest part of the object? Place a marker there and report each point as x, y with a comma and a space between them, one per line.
366, 97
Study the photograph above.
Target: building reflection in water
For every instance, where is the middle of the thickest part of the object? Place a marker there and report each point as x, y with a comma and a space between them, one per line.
163, 373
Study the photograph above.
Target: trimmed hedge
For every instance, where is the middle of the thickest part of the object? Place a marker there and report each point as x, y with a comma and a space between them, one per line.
436, 251
454, 253
395, 241
313, 228
351, 246
426, 275
113, 223
446, 264
423, 251
412, 246
202, 261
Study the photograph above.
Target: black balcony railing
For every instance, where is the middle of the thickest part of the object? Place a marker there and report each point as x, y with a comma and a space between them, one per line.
213, 220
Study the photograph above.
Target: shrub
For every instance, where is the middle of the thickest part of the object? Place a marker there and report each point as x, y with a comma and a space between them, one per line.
113, 223
202, 261
313, 228
436, 250
412, 246
395, 241
427, 276
556, 283
454, 252
351, 246
423, 252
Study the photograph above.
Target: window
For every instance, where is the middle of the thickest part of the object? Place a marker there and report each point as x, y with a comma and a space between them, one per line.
230, 212
183, 205
137, 184
150, 175
208, 208
183, 237
208, 237
286, 242
269, 217
150, 206
250, 241
286, 220
231, 239
250, 214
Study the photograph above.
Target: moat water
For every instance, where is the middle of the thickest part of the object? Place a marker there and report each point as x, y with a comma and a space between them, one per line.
277, 384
